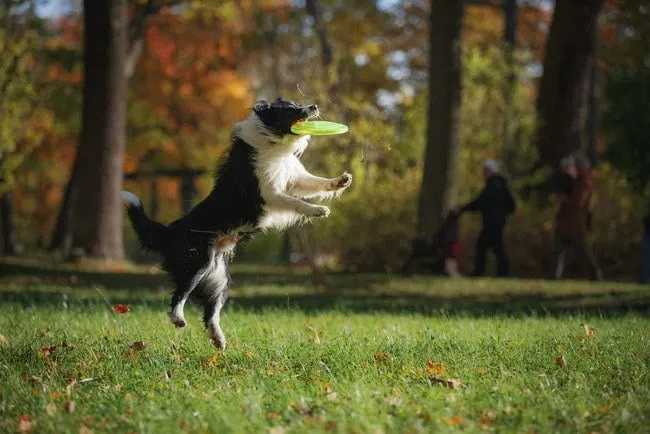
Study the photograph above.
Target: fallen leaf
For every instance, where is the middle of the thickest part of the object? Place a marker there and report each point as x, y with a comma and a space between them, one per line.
452, 383
315, 336
249, 354
25, 423
589, 331
454, 420
121, 308
507, 410
487, 418
3, 341
85, 430
50, 410
70, 406
278, 430
31, 378
47, 350
213, 361
560, 361
138, 346
272, 415
332, 396
436, 368
382, 357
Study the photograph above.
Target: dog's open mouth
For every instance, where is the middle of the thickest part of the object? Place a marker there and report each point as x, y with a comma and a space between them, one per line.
313, 115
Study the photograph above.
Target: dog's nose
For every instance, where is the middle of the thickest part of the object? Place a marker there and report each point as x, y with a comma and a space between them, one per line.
313, 107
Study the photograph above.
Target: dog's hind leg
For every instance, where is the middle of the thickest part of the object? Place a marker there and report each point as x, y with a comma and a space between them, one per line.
215, 293
182, 293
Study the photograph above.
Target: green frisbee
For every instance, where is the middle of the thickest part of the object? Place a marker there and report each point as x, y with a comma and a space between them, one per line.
318, 128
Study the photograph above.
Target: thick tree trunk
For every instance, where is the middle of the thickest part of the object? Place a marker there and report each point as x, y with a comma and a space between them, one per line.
9, 238
99, 210
592, 102
562, 90
440, 178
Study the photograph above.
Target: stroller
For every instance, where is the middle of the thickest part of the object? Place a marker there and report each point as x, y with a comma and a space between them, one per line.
434, 254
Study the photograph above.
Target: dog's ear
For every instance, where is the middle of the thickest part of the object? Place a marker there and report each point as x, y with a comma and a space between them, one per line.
260, 106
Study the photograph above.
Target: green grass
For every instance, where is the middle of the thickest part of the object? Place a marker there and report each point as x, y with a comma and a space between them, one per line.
348, 357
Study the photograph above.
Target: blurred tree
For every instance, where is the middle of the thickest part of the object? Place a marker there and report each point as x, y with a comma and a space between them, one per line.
140, 12
626, 64
21, 114
440, 177
562, 93
98, 223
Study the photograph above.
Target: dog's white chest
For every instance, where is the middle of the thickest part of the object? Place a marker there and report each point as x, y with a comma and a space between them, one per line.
276, 175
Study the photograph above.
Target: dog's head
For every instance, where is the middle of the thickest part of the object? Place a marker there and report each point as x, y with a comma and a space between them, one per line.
281, 114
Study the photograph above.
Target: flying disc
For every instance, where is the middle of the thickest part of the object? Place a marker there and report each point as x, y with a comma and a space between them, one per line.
318, 128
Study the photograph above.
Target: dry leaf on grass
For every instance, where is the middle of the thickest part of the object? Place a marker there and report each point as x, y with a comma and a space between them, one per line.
138, 346
589, 331
560, 361
452, 383
85, 430
31, 378
332, 396
121, 308
47, 351
454, 420
25, 423
436, 368
50, 410
315, 336
278, 430
69, 406
3, 341
382, 357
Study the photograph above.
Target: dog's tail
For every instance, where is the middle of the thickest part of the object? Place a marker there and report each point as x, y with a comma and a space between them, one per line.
151, 234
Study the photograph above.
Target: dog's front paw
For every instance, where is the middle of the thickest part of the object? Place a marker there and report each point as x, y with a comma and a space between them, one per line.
319, 211
343, 181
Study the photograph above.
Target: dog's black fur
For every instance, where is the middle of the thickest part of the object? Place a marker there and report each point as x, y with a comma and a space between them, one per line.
196, 248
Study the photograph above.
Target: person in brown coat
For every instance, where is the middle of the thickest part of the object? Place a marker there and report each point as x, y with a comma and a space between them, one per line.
573, 220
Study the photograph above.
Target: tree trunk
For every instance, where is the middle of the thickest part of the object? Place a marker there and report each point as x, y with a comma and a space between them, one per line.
440, 178
562, 90
510, 13
63, 231
9, 239
99, 209
592, 103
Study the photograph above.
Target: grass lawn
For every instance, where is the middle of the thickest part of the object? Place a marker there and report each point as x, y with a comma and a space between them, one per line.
360, 354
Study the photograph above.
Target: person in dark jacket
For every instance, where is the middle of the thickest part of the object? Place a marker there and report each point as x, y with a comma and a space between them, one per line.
495, 203
645, 270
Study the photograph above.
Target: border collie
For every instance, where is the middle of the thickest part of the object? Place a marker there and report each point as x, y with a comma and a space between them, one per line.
260, 184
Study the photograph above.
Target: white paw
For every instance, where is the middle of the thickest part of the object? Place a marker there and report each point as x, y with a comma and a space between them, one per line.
319, 211
344, 181
177, 318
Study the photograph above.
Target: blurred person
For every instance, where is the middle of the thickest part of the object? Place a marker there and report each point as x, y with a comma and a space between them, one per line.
573, 220
495, 203
438, 253
645, 264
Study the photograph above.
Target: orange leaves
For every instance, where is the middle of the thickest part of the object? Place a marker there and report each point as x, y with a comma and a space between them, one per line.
435, 368
454, 420
134, 350
47, 350
121, 308
451, 383
25, 423
438, 368
382, 357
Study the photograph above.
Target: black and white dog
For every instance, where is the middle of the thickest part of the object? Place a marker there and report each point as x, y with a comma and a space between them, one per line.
260, 184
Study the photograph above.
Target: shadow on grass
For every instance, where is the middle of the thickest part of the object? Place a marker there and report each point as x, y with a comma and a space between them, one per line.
37, 287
